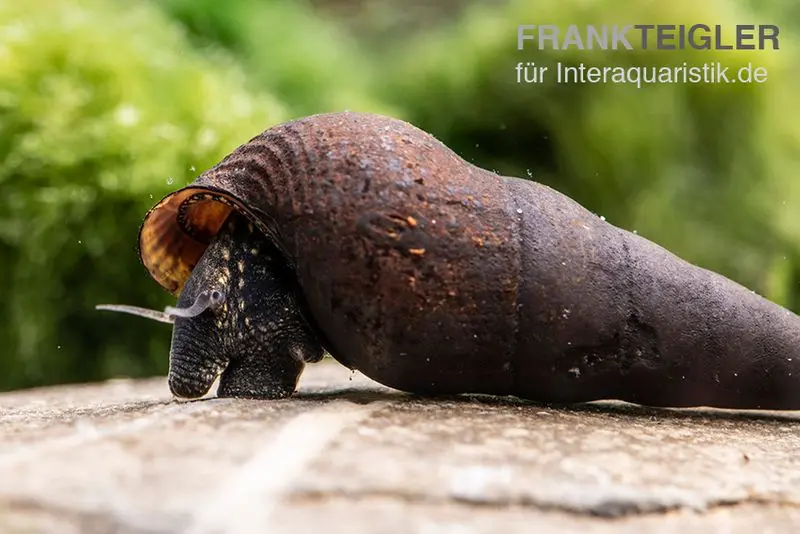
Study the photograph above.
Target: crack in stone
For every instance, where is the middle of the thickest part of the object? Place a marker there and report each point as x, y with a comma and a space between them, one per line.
610, 509
107, 522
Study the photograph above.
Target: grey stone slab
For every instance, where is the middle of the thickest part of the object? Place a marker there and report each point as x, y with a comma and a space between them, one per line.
348, 455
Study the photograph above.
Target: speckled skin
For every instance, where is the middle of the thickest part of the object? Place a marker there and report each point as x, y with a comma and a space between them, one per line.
258, 339
432, 275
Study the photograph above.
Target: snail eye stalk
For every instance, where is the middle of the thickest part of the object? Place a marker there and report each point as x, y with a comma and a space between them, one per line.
204, 301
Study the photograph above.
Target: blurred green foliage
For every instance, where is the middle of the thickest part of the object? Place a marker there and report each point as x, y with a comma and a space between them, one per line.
104, 108
287, 49
107, 105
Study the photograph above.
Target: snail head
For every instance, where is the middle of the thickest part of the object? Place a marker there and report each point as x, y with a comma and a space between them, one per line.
238, 318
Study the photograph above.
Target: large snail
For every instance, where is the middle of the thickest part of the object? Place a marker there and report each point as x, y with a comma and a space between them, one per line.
363, 236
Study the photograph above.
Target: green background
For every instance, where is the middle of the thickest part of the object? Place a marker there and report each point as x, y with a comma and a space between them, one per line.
107, 105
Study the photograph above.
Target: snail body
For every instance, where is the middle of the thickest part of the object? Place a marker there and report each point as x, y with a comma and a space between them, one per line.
240, 320
431, 275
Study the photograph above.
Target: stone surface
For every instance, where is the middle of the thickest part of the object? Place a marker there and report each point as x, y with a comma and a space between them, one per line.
349, 456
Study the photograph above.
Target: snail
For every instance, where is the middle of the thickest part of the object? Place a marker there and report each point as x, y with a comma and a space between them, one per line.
379, 245
237, 313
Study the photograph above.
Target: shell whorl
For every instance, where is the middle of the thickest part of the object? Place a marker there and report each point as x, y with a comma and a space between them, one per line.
258, 179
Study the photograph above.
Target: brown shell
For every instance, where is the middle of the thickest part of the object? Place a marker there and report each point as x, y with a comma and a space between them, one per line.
428, 273
176, 231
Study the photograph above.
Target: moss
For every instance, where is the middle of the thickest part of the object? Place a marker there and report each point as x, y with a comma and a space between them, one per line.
104, 107
289, 47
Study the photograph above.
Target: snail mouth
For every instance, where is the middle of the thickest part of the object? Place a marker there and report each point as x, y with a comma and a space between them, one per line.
195, 361
188, 381
193, 367
192, 372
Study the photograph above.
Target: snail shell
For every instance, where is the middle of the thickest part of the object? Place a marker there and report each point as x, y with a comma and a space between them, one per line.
432, 275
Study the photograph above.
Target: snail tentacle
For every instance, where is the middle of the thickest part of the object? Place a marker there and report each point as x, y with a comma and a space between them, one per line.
147, 313
204, 301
